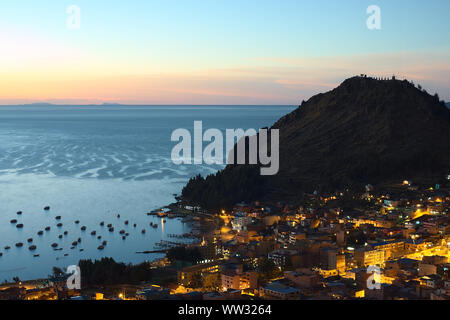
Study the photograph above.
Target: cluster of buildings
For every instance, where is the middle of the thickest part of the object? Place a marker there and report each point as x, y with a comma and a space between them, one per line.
386, 245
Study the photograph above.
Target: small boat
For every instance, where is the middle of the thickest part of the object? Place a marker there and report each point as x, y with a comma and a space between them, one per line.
93, 233
47, 228
19, 226
13, 221
30, 240
109, 225
47, 208
134, 225
101, 248
79, 240
83, 228
123, 237
7, 247
99, 237
81, 250
122, 231
143, 231
19, 244
59, 225
58, 217
19, 213
127, 234
32, 248
118, 216
66, 254
65, 233
75, 243
40, 233
104, 243
155, 226
36, 255
60, 236
77, 221
102, 223
111, 229
126, 222
54, 245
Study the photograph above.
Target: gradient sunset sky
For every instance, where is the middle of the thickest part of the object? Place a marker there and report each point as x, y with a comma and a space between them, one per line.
214, 51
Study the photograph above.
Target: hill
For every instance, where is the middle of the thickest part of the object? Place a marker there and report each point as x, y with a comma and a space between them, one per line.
364, 131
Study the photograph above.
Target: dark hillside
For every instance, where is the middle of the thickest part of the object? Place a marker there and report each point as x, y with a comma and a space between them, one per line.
364, 131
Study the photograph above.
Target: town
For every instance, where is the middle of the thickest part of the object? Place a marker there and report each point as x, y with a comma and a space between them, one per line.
386, 244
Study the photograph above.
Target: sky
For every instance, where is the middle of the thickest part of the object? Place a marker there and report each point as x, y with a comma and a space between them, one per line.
214, 51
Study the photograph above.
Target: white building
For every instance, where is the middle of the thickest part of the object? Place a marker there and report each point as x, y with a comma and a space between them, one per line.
240, 221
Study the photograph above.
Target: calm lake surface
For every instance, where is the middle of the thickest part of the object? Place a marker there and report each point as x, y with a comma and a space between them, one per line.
90, 163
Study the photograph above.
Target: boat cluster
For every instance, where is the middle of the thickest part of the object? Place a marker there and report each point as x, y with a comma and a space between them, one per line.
76, 243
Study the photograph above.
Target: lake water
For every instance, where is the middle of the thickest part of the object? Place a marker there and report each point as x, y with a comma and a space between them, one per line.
90, 163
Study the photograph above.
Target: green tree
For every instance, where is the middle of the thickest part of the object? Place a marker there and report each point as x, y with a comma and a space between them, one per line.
267, 269
57, 271
196, 281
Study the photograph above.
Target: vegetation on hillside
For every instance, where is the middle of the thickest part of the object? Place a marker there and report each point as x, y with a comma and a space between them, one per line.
109, 272
364, 131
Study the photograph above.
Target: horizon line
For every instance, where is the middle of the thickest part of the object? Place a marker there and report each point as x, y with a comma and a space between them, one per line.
143, 105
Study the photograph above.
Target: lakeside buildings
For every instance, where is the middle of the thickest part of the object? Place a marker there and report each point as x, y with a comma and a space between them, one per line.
377, 244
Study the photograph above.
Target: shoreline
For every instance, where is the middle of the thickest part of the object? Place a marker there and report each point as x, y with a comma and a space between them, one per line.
195, 223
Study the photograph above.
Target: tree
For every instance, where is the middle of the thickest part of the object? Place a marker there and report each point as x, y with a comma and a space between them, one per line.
212, 282
191, 255
356, 238
267, 269
107, 271
57, 271
196, 281
289, 266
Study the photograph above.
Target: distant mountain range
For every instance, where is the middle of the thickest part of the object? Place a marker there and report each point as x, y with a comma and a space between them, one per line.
38, 104
364, 131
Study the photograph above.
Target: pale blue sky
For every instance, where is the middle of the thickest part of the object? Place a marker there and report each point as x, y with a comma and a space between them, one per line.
184, 40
